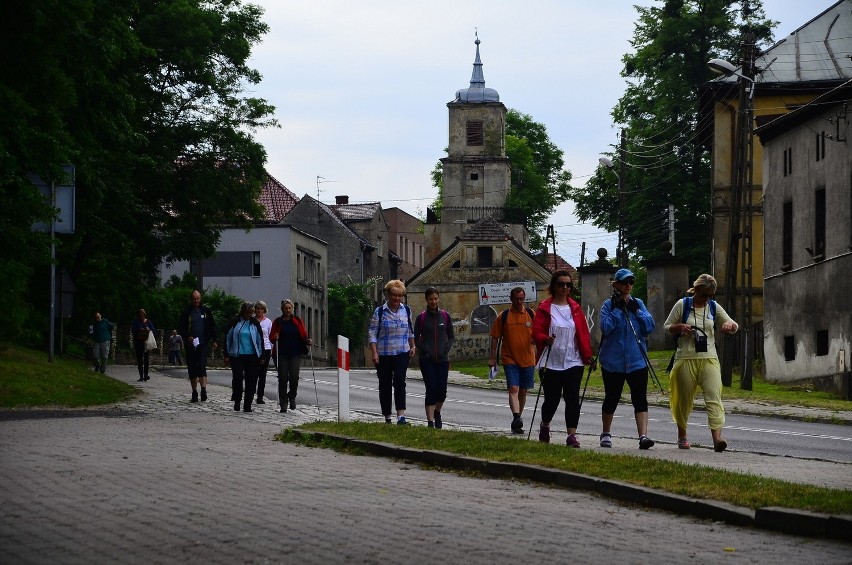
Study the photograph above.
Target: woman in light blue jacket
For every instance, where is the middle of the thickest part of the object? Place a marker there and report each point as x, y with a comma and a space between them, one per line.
625, 324
243, 351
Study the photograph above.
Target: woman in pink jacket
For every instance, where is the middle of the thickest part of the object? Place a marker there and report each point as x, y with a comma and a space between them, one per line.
564, 346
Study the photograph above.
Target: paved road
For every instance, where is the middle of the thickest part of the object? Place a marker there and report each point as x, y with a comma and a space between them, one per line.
159, 480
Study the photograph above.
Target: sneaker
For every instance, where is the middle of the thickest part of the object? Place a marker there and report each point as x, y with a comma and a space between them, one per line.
720, 446
572, 441
260, 400
544, 434
431, 424
438, 422
645, 442
402, 421
283, 409
517, 426
237, 406
203, 395
292, 404
194, 396
388, 421
606, 440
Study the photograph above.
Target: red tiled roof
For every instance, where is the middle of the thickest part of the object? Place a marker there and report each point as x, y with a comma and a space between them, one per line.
276, 199
561, 264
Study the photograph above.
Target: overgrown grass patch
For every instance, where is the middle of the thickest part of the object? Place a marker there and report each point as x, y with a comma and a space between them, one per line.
28, 379
688, 480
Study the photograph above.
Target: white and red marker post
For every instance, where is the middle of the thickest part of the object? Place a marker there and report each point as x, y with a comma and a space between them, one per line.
342, 379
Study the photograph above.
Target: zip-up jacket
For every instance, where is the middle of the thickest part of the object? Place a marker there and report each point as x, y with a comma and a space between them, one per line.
232, 341
620, 351
541, 329
434, 335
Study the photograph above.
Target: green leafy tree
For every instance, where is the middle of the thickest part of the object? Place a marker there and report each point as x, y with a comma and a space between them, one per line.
666, 159
539, 180
352, 306
147, 99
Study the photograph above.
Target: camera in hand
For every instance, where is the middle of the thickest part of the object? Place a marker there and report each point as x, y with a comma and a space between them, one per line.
617, 302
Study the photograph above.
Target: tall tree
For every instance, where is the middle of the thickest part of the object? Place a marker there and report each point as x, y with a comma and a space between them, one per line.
147, 99
665, 161
539, 180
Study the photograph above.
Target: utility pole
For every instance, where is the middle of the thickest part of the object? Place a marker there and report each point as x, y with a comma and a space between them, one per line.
551, 236
672, 228
622, 166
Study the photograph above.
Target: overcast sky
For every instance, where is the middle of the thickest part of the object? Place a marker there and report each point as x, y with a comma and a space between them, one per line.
361, 86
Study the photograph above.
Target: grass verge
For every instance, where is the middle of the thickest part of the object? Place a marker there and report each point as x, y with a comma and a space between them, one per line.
28, 379
688, 480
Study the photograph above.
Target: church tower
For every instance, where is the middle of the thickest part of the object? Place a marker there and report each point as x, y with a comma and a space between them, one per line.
476, 171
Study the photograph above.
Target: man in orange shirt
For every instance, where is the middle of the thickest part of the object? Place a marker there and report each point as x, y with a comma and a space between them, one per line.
513, 327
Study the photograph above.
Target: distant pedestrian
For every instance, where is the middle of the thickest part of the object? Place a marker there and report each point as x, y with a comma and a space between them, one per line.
434, 336
243, 351
175, 347
511, 337
694, 320
101, 332
260, 310
564, 346
391, 339
625, 326
198, 330
290, 341
143, 331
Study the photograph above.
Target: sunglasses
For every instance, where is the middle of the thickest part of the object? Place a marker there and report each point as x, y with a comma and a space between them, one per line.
563, 284
628, 281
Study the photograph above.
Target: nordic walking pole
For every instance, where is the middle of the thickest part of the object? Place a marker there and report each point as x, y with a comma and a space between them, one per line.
540, 386
642, 351
592, 367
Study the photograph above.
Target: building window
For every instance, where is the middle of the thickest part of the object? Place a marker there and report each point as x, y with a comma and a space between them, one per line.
820, 146
789, 348
456, 264
474, 133
485, 257
255, 269
787, 238
298, 266
788, 161
819, 224
474, 176
822, 342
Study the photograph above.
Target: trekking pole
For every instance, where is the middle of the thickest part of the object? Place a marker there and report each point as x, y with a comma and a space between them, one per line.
592, 366
642, 351
540, 386
314, 373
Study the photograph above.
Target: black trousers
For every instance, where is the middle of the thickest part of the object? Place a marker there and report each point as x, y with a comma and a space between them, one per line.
143, 358
391, 372
244, 371
562, 384
261, 372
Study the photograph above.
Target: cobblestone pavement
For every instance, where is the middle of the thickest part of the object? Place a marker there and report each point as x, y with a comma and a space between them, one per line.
159, 480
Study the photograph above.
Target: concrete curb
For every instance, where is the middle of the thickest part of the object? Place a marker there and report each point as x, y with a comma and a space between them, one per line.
784, 520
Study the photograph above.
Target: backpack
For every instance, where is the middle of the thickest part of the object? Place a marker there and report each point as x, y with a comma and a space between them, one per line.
444, 314
687, 308
381, 310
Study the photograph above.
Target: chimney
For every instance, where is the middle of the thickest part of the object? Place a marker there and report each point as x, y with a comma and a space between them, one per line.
343, 199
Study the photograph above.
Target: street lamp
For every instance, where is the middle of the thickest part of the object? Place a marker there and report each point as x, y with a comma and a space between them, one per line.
620, 256
741, 200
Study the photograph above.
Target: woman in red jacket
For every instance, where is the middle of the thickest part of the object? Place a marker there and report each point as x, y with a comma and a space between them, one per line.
561, 335
290, 341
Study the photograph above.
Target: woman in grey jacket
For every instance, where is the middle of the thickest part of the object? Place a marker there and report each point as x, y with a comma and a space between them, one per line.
625, 323
243, 351
434, 336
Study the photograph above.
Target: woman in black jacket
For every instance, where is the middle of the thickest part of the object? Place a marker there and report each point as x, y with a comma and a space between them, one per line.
434, 335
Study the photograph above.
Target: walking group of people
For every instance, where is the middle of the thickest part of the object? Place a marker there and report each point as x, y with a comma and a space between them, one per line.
252, 341
555, 339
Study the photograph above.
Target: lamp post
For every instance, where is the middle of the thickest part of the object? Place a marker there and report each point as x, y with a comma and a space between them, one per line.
620, 253
740, 226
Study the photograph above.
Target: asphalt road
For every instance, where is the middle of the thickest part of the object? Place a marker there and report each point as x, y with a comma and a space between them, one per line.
484, 408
